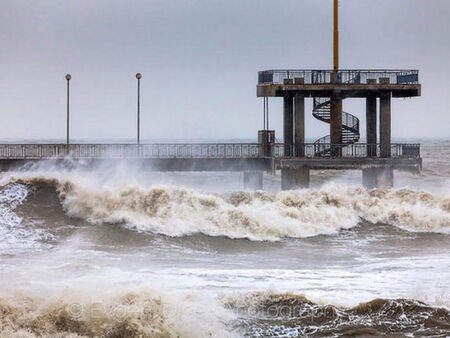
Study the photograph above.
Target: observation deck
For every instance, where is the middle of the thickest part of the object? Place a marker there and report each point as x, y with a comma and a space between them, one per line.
345, 83
341, 148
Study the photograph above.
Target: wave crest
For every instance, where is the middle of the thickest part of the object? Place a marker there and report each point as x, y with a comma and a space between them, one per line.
286, 314
175, 211
132, 314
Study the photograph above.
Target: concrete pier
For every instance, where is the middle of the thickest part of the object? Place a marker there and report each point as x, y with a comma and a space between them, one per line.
385, 125
378, 177
371, 124
299, 120
253, 180
294, 178
288, 124
336, 124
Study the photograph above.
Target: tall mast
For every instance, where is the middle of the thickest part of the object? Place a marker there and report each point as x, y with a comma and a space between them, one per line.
336, 35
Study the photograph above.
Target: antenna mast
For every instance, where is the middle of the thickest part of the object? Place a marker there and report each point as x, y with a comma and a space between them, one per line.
336, 35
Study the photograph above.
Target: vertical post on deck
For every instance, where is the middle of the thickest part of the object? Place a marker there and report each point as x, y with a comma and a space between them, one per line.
288, 125
385, 125
138, 77
264, 113
299, 120
336, 36
68, 78
371, 123
336, 126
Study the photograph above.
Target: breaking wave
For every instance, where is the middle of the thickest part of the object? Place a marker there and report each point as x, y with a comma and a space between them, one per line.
14, 235
146, 313
128, 314
274, 314
176, 211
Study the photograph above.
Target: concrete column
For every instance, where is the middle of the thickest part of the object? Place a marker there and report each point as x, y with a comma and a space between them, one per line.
385, 125
336, 125
253, 180
369, 178
294, 178
299, 110
288, 125
386, 178
371, 125
378, 178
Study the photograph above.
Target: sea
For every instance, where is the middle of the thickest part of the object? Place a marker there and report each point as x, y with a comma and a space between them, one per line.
121, 251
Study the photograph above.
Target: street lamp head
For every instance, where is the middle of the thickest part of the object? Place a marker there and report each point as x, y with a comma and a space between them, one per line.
68, 77
138, 76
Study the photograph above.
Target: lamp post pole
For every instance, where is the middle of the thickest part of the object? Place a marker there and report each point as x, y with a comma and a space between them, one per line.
68, 78
138, 77
336, 36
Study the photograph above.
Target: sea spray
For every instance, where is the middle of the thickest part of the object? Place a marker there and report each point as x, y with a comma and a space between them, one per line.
117, 313
270, 313
16, 237
176, 211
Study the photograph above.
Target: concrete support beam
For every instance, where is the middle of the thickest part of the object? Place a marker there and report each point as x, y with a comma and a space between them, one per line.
385, 125
299, 120
336, 124
253, 180
378, 178
294, 178
288, 125
371, 125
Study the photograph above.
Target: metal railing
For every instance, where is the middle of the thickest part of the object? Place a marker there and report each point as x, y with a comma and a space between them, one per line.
355, 150
200, 150
168, 150
348, 76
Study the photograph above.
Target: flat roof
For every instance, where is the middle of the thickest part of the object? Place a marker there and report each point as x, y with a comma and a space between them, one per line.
344, 90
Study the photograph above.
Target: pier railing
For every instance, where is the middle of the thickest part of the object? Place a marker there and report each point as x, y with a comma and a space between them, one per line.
355, 150
349, 76
169, 150
202, 150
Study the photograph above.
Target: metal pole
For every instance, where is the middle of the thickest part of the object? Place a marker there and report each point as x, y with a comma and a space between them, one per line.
68, 77
267, 112
336, 35
264, 113
138, 77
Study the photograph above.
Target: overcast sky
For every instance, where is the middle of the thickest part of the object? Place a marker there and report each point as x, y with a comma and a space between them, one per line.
199, 60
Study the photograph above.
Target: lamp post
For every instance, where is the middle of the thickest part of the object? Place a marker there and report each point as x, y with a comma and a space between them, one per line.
68, 77
336, 36
138, 77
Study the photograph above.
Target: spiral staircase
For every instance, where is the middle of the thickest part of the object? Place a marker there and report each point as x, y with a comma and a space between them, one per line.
350, 125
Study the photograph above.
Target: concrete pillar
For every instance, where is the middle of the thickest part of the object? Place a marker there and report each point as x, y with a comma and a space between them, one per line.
386, 178
371, 125
378, 178
294, 178
299, 120
253, 180
385, 125
288, 125
369, 178
336, 125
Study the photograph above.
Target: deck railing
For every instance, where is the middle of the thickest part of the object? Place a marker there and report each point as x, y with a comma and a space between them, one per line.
349, 76
201, 150
169, 150
355, 150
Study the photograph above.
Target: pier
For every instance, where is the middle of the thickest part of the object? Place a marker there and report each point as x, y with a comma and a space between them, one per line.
251, 158
341, 148
377, 158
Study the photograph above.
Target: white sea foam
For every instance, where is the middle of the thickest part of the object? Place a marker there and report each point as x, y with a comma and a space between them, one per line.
176, 211
14, 235
113, 313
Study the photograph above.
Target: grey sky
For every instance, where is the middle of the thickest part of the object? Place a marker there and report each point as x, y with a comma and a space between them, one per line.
199, 60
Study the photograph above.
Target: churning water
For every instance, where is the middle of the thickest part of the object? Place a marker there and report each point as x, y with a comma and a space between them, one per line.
123, 252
